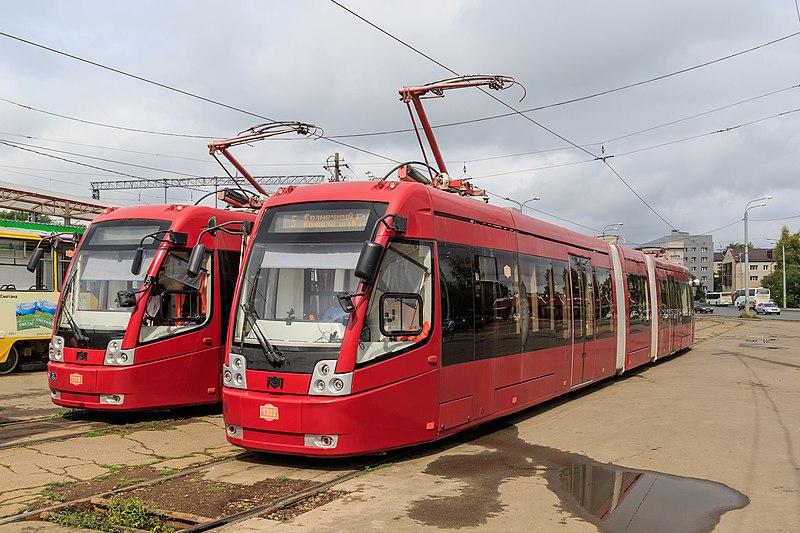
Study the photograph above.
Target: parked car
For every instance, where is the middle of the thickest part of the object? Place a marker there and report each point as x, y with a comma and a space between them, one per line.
702, 307
768, 308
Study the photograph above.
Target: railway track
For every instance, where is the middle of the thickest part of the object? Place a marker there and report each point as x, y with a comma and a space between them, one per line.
78, 423
187, 522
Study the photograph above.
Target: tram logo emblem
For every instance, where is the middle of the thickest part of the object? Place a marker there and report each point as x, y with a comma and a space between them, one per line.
268, 412
76, 379
82, 356
274, 382
507, 271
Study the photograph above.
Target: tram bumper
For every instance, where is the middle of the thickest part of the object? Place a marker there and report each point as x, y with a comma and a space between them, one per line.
189, 379
393, 416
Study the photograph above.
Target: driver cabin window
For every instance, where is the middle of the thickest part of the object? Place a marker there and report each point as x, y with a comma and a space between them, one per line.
177, 303
406, 279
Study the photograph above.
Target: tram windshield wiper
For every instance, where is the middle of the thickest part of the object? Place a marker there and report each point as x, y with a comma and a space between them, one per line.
272, 354
77, 332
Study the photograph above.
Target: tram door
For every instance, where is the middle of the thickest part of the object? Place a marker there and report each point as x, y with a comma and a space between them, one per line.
674, 312
582, 314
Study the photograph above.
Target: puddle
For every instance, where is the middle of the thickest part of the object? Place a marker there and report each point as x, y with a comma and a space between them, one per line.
609, 496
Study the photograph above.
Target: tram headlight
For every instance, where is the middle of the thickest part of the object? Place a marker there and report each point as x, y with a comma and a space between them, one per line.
115, 356
235, 375
325, 381
55, 351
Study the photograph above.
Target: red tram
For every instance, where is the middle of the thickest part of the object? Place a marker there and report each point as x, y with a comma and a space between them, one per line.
377, 315
132, 337
426, 350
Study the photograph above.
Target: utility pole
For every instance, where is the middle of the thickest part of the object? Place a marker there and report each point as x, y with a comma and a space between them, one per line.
336, 174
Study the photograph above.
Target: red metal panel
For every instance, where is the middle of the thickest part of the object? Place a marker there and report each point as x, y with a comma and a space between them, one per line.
455, 413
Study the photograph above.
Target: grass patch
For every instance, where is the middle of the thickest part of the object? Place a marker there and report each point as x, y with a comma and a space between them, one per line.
751, 315
214, 489
130, 513
131, 481
124, 431
167, 472
51, 493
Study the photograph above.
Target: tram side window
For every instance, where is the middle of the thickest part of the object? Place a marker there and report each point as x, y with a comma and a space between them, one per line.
663, 299
177, 303
685, 303
14, 255
456, 275
406, 269
604, 303
638, 304
545, 313
496, 302
561, 303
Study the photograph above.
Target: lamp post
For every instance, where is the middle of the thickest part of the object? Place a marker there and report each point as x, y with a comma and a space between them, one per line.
522, 204
747, 208
783, 258
612, 227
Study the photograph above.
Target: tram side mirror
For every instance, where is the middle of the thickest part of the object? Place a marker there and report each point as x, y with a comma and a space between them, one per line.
36, 256
401, 314
346, 302
136, 266
212, 225
126, 298
181, 307
368, 261
196, 260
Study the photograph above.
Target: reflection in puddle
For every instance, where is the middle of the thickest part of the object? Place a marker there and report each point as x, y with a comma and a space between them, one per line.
611, 497
629, 500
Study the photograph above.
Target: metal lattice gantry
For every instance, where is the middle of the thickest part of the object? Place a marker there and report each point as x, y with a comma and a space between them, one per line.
214, 181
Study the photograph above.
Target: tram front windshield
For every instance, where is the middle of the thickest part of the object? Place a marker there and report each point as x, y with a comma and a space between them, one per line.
302, 257
91, 314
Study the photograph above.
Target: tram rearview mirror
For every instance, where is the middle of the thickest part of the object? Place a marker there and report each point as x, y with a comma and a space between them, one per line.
126, 298
196, 260
401, 314
36, 256
368, 261
136, 266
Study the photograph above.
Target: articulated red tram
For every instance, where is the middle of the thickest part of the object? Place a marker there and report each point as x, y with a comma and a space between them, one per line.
473, 312
132, 330
377, 315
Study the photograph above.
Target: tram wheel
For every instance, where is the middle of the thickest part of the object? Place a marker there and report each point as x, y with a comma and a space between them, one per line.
11, 361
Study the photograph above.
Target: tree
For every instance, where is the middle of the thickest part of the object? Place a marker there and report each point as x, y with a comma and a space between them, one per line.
774, 281
22, 216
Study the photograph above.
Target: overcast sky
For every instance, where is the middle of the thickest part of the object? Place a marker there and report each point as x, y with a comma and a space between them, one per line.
313, 61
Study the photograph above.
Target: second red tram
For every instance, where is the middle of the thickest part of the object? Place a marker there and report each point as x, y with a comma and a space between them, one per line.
132, 330
453, 313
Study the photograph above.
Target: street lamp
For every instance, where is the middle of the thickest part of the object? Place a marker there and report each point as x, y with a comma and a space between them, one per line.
612, 227
783, 257
747, 208
521, 205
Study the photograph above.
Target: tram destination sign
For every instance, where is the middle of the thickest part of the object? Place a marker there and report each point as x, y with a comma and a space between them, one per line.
320, 220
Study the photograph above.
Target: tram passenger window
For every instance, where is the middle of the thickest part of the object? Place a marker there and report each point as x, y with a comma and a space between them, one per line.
496, 301
604, 303
638, 304
456, 278
14, 255
563, 333
177, 303
406, 269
